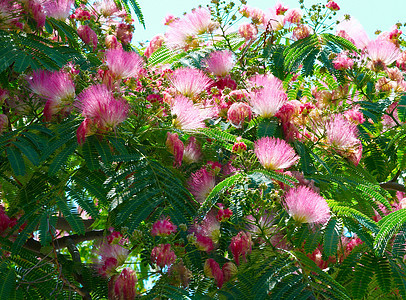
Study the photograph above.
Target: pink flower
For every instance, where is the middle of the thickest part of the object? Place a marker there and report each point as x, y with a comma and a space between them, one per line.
355, 116
342, 136
192, 152
204, 243
124, 64
111, 42
257, 15
124, 33
124, 285
176, 147
212, 270
88, 36
3, 122
220, 63
37, 10
342, 62
353, 31
306, 206
154, 45
302, 31
382, 52
189, 116
229, 270
274, 153
280, 9
248, 31
200, 184
58, 9
224, 213
240, 245
163, 227
112, 256
332, 6
162, 255
238, 113
5, 221
293, 16
190, 82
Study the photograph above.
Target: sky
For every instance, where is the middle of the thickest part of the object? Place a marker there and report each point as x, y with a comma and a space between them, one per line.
372, 14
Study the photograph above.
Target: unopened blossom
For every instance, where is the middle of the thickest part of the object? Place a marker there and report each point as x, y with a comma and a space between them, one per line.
169, 19
5, 221
192, 151
220, 62
239, 147
213, 270
229, 270
81, 14
248, 31
115, 237
162, 255
124, 64
189, 82
223, 213
238, 113
342, 136
176, 147
274, 153
382, 53
58, 9
154, 45
88, 36
241, 245
189, 116
201, 184
107, 7
123, 286
306, 206
163, 227
332, 6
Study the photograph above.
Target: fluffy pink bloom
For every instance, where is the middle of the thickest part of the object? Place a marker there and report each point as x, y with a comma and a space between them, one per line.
293, 16
111, 42
238, 113
302, 31
401, 61
306, 206
112, 256
169, 19
342, 137
58, 9
273, 21
163, 227
176, 147
353, 31
342, 62
355, 116
107, 7
124, 285
220, 62
88, 36
99, 106
257, 15
188, 115
332, 6
280, 9
200, 184
274, 153
124, 64
267, 96
192, 152
248, 31
190, 82
212, 270
154, 45
162, 255
37, 10
382, 52
241, 245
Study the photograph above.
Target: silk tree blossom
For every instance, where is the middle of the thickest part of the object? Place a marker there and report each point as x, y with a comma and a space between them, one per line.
201, 183
342, 137
112, 256
190, 82
274, 153
124, 64
88, 36
342, 61
213, 270
238, 113
154, 45
192, 152
241, 245
163, 227
189, 116
58, 9
293, 16
123, 286
248, 31
332, 6
176, 147
352, 30
300, 32
382, 53
162, 255
220, 62
306, 206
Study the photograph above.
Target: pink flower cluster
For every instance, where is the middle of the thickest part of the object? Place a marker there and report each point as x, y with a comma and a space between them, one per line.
163, 227
163, 256
212, 270
241, 245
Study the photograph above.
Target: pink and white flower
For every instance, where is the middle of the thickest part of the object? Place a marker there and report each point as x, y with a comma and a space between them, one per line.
123, 286
201, 184
241, 245
88, 36
274, 153
162, 255
163, 227
123, 64
220, 62
190, 82
212, 270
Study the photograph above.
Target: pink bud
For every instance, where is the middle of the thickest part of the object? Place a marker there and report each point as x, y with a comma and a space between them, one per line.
212, 270
332, 5
204, 243
124, 286
238, 113
223, 214
229, 270
5, 221
88, 36
176, 147
240, 245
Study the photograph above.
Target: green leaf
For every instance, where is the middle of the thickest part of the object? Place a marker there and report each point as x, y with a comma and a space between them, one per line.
332, 237
383, 274
388, 225
8, 282
16, 161
90, 155
61, 158
268, 127
364, 271
286, 179
69, 212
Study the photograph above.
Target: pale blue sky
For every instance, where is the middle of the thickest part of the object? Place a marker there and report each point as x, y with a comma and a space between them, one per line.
372, 14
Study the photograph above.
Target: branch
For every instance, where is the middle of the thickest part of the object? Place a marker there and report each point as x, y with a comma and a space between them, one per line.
62, 242
62, 224
394, 186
